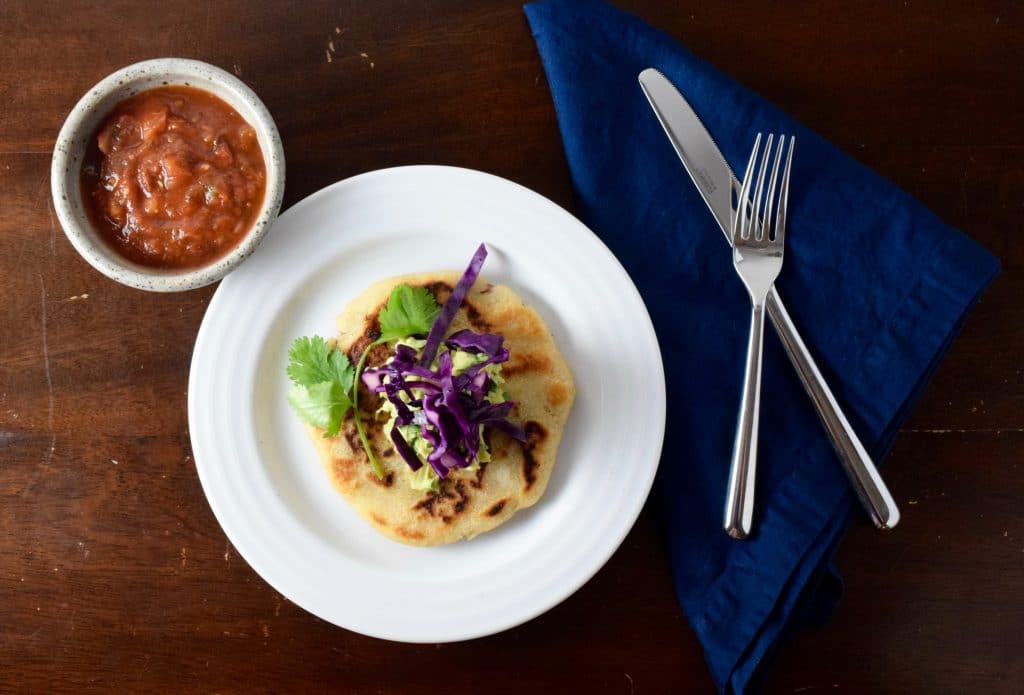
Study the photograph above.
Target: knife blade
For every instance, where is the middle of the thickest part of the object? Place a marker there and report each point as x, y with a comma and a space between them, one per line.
716, 182
700, 155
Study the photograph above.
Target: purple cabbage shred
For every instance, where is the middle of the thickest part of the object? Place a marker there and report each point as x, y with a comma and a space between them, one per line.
451, 307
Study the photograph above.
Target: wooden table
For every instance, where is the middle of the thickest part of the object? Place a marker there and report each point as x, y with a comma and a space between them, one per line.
114, 575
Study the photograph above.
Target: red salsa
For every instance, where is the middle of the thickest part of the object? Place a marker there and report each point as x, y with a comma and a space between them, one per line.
174, 178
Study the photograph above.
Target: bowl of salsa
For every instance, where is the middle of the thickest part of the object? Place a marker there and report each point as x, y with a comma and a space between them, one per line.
167, 174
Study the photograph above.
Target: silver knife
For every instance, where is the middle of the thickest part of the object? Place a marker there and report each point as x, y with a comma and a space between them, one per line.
716, 182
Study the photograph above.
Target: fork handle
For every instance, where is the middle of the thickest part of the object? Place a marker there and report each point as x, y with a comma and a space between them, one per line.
739, 501
863, 474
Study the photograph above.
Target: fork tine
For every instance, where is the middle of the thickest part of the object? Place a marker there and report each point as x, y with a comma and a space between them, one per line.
755, 213
770, 201
780, 217
742, 207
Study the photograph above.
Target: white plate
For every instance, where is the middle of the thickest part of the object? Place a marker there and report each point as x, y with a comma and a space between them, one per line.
265, 482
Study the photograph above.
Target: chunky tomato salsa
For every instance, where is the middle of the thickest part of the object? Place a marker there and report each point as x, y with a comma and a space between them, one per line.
174, 177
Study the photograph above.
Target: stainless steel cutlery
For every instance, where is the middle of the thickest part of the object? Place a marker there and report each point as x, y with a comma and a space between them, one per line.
718, 185
758, 243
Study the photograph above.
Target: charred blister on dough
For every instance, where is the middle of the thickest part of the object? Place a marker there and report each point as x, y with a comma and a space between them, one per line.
446, 504
344, 469
352, 437
526, 364
478, 479
476, 320
440, 290
518, 322
557, 393
535, 437
409, 534
385, 482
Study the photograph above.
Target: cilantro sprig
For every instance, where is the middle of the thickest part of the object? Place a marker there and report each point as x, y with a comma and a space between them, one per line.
325, 385
322, 379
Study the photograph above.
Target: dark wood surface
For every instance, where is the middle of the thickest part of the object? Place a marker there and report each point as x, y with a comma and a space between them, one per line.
114, 575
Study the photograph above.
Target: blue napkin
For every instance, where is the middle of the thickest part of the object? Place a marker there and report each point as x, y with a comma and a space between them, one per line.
877, 284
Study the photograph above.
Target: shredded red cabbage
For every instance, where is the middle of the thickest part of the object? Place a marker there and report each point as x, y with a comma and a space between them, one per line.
469, 341
404, 450
451, 307
448, 408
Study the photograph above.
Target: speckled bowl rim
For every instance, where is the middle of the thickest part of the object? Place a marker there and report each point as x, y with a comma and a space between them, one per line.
80, 125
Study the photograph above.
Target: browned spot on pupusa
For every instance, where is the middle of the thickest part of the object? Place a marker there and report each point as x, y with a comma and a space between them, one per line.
351, 435
370, 332
525, 363
348, 430
440, 290
344, 469
536, 435
476, 320
379, 520
463, 497
495, 509
478, 479
387, 481
408, 533
378, 353
517, 322
557, 393
446, 504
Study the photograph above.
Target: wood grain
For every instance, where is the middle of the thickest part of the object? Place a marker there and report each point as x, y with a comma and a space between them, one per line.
114, 575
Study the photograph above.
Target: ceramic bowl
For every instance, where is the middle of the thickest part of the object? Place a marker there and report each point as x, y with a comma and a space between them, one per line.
83, 122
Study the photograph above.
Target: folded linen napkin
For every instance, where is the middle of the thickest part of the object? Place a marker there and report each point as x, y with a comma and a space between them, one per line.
876, 283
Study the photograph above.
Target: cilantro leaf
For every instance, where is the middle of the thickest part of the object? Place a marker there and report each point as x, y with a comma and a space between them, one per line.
344, 372
410, 311
310, 361
322, 405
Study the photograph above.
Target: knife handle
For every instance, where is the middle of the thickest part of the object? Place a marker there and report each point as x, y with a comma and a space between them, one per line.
863, 474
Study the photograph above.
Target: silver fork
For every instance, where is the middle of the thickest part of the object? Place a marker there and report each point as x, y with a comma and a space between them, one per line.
757, 244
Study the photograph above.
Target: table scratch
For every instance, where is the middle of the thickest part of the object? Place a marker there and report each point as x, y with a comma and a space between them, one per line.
34, 633
53, 229
46, 368
206, 24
